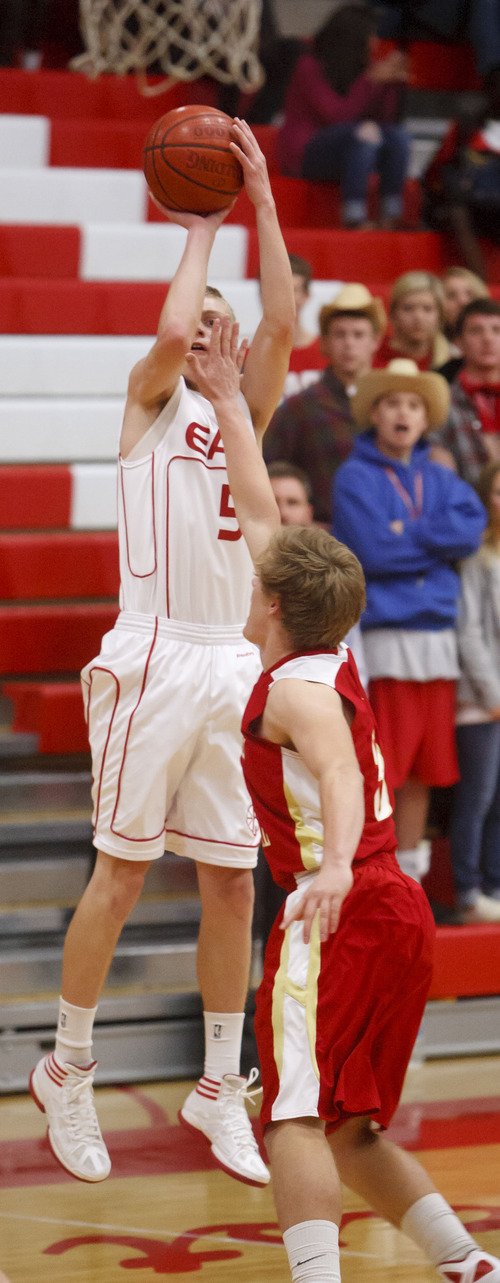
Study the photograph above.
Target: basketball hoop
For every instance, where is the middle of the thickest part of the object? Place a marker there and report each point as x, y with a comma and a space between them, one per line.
186, 38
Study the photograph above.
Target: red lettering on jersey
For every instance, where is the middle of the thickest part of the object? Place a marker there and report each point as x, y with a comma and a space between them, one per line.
197, 436
216, 446
226, 510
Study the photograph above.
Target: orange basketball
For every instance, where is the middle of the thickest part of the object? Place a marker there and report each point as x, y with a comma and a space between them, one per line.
187, 160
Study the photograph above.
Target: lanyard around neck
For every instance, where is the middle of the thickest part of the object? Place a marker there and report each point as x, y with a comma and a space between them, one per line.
413, 507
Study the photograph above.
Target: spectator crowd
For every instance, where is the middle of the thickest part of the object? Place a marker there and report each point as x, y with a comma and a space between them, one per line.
394, 446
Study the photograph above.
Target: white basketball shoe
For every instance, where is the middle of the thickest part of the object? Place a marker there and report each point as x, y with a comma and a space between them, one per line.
222, 1117
65, 1094
476, 1266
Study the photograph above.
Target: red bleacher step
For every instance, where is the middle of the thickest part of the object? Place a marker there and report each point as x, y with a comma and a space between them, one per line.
60, 564
52, 638
32, 306
39, 250
52, 710
336, 254
35, 497
466, 961
63, 94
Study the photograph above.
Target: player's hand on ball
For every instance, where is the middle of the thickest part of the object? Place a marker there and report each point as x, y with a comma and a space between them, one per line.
183, 218
253, 162
216, 372
325, 897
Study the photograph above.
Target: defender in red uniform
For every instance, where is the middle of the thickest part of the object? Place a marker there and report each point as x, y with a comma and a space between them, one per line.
348, 962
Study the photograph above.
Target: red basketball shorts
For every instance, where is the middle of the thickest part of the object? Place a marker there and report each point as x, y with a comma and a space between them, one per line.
416, 723
336, 1022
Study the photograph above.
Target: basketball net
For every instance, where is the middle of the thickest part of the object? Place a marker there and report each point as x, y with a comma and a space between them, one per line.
186, 38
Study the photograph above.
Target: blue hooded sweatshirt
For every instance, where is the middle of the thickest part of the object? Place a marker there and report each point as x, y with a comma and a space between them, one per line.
411, 581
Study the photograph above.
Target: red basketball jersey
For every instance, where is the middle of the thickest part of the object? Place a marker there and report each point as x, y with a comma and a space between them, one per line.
284, 792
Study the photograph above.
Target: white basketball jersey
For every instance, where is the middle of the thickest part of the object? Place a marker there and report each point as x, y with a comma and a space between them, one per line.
182, 554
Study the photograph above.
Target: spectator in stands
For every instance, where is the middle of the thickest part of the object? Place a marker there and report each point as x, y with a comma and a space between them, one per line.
475, 817
460, 286
462, 183
306, 358
408, 520
416, 313
341, 114
292, 491
472, 430
316, 429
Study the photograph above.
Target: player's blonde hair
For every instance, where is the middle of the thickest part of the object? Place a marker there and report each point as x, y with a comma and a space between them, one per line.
319, 583
211, 291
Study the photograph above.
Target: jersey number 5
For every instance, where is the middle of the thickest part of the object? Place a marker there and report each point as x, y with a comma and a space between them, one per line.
381, 801
226, 510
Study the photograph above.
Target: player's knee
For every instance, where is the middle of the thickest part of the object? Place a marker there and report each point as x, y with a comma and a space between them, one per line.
241, 894
119, 884
232, 890
353, 1137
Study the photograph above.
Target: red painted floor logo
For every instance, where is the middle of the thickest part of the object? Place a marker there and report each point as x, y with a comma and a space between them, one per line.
178, 1257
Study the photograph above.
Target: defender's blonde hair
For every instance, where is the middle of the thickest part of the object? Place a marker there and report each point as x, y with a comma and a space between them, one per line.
319, 582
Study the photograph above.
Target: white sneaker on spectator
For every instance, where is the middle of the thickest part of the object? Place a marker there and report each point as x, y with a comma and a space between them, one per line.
477, 1265
484, 909
225, 1122
65, 1094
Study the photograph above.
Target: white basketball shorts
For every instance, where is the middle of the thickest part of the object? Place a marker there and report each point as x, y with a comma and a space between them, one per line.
164, 703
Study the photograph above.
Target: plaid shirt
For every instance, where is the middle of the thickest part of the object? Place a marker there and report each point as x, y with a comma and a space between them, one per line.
314, 430
463, 436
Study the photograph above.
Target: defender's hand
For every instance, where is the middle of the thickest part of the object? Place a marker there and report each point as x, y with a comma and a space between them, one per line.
325, 896
216, 372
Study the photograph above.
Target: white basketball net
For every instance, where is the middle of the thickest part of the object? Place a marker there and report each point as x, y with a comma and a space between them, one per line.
187, 38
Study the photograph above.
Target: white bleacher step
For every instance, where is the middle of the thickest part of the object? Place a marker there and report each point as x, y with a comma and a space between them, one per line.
93, 496
320, 292
24, 141
60, 196
60, 430
152, 252
69, 365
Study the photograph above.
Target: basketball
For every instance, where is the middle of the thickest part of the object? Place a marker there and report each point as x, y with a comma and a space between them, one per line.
188, 163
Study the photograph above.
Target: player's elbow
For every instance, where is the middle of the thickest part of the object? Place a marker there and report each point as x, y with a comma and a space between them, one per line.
282, 327
173, 342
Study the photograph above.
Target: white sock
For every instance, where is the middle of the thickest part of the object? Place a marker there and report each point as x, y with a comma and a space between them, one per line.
74, 1033
433, 1226
415, 862
313, 1251
223, 1035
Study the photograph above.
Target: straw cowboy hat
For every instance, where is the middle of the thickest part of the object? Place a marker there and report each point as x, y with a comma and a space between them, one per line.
402, 375
354, 298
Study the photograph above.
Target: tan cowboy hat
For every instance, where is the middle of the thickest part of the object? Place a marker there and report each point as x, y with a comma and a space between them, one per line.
354, 298
402, 375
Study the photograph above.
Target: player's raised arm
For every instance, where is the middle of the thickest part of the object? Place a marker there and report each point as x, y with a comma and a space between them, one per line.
269, 355
310, 717
218, 378
153, 379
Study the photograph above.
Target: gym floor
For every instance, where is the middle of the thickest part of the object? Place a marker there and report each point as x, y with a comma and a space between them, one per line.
167, 1210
